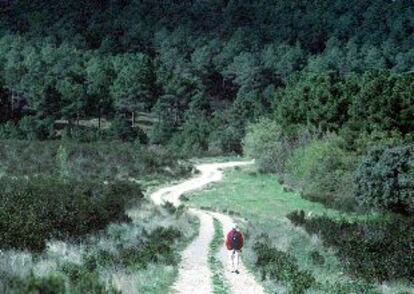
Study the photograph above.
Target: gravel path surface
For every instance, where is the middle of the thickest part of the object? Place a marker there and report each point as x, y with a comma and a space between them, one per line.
194, 275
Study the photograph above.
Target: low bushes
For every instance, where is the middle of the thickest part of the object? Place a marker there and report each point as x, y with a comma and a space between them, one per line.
53, 284
72, 278
385, 179
158, 246
34, 211
103, 161
281, 266
375, 250
84, 280
130, 249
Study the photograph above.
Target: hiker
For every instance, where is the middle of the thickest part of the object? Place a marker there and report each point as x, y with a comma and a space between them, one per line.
234, 243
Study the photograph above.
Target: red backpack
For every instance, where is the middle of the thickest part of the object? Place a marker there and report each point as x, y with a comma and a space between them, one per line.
234, 240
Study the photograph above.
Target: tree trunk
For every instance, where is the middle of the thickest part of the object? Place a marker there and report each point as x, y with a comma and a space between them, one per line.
99, 118
12, 104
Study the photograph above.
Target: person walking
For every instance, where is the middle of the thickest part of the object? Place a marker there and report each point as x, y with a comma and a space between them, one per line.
234, 243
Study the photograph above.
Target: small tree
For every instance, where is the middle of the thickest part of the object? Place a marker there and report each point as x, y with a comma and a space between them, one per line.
385, 179
131, 89
265, 143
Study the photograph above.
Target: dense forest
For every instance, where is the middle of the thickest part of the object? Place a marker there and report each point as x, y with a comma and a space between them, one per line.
205, 69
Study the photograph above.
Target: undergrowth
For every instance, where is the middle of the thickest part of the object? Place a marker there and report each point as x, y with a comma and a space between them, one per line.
34, 211
375, 250
219, 282
281, 267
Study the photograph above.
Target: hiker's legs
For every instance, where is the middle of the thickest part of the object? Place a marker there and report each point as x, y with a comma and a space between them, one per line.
232, 256
235, 259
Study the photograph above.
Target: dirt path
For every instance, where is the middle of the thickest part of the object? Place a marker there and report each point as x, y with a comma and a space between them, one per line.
245, 281
194, 275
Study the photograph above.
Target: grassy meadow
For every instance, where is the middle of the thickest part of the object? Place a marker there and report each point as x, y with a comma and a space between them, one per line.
263, 204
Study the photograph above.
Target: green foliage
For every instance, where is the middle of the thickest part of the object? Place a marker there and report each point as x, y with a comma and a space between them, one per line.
158, 246
317, 258
385, 178
94, 161
316, 100
35, 129
265, 142
9, 130
73, 279
319, 68
220, 285
123, 130
304, 158
325, 172
281, 266
131, 89
31, 214
375, 250
83, 280
384, 103
36, 285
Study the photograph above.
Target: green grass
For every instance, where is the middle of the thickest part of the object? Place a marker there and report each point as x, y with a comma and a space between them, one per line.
257, 196
219, 283
261, 200
155, 279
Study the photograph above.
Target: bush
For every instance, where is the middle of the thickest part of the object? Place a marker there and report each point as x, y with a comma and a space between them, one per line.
88, 161
281, 266
84, 134
158, 246
324, 171
377, 250
32, 128
9, 131
385, 179
83, 280
31, 213
316, 257
35, 285
73, 279
123, 130
264, 142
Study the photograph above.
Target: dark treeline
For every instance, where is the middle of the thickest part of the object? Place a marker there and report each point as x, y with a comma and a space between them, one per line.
207, 68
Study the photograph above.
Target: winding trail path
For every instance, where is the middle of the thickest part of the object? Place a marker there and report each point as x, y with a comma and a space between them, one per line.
194, 274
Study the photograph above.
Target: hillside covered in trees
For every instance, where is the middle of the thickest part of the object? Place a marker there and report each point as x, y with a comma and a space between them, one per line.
205, 69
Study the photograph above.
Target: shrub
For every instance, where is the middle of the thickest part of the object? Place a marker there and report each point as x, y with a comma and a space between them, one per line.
9, 131
31, 212
32, 128
316, 257
375, 250
158, 246
304, 158
123, 130
324, 171
264, 142
85, 134
96, 161
385, 179
33, 285
281, 266
84, 280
